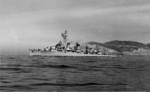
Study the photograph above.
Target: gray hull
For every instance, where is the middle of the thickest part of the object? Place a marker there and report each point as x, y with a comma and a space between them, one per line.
48, 53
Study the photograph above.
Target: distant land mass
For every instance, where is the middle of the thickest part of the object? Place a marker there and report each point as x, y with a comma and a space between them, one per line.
148, 45
126, 45
123, 47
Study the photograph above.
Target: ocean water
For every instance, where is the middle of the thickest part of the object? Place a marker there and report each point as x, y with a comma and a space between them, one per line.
44, 74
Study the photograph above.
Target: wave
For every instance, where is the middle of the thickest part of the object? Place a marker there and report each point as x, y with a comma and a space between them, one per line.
15, 87
11, 69
89, 61
73, 85
54, 66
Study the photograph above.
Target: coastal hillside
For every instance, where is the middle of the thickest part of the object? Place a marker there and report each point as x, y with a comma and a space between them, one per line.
148, 45
129, 47
125, 45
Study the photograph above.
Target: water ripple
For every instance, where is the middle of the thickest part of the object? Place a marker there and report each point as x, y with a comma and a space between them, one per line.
73, 85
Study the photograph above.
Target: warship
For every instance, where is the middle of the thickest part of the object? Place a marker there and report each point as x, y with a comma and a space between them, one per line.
64, 48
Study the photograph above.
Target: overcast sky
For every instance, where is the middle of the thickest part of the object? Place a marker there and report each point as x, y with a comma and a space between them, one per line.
28, 24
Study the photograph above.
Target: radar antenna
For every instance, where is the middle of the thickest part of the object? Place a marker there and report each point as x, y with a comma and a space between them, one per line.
64, 36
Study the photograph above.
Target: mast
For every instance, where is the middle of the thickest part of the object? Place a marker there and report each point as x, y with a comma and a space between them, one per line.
64, 36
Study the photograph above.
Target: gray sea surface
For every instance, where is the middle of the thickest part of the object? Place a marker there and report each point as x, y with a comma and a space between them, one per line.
60, 74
